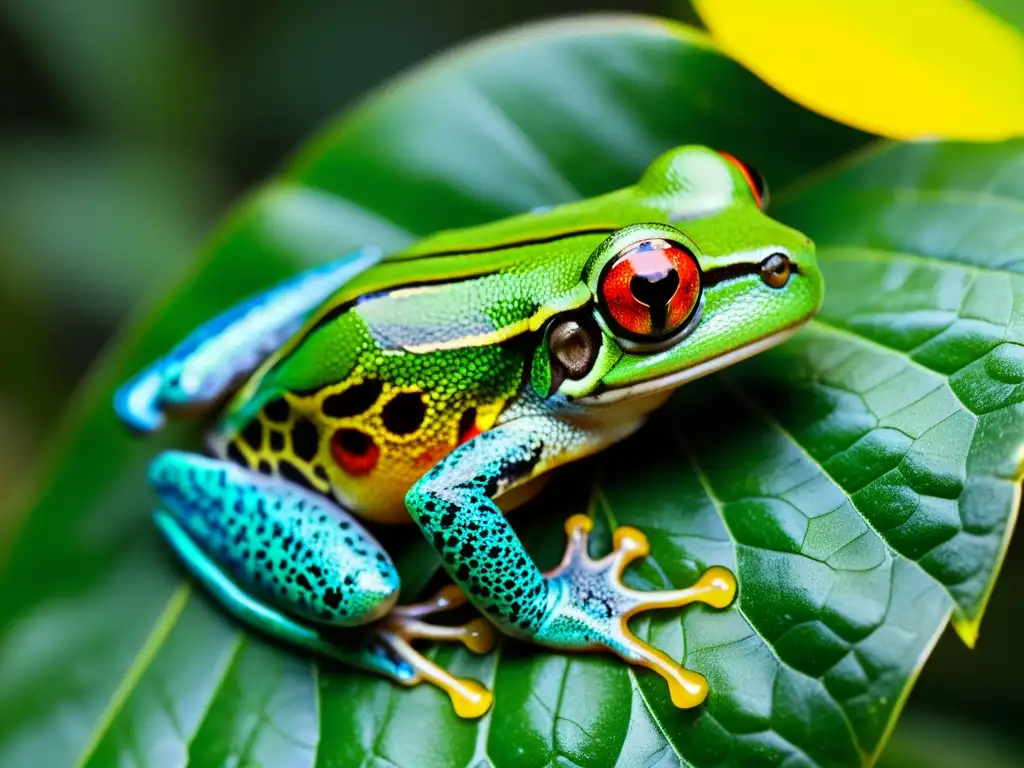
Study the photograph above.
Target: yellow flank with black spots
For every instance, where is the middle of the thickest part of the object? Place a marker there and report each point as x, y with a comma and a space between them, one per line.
377, 392
364, 441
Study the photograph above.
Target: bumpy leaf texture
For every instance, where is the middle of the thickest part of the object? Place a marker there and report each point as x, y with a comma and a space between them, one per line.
861, 480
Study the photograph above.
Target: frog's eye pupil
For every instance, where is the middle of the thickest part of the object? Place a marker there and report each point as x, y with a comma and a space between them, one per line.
775, 270
650, 289
655, 290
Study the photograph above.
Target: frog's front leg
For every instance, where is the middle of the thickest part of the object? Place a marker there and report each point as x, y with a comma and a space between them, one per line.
297, 567
580, 605
203, 367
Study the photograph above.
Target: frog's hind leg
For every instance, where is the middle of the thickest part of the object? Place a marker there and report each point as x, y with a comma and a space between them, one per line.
292, 564
581, 605
360, 650
285, 545
208, 363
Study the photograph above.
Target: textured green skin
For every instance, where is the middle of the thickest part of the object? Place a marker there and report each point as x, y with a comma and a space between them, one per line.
474, 334
705, 196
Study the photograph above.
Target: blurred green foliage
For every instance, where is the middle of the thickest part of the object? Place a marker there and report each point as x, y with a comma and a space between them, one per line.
129, 125
127, 128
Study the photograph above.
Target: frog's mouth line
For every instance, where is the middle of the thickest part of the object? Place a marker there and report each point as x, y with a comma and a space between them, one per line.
677, 378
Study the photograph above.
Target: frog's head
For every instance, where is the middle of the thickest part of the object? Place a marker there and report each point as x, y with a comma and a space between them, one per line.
714, 281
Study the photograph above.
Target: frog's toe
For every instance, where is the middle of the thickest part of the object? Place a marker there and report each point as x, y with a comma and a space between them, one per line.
404, 624
593, 606
478, 635
137, 403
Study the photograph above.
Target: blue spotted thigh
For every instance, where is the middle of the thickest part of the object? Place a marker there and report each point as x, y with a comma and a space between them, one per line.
281, 543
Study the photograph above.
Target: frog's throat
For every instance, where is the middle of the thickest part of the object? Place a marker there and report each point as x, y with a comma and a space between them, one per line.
678, 378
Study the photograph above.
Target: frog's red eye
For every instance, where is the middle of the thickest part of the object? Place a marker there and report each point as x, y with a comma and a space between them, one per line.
650, 289
755, 180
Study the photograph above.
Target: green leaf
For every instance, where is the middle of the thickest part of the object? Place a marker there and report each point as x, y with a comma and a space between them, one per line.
782, 469
935, 231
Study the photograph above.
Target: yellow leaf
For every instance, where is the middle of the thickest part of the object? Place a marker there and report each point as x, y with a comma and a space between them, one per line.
899, 68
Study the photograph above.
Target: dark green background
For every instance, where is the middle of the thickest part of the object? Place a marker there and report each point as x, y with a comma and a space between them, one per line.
129, 126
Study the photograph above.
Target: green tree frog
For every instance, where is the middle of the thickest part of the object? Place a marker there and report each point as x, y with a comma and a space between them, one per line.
437, 385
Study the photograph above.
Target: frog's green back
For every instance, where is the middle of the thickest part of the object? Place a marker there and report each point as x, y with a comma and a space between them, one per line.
538, 253
469, 287
427, 347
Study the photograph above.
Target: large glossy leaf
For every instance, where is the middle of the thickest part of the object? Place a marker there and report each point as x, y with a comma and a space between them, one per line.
109, 656
874, 487
927, 241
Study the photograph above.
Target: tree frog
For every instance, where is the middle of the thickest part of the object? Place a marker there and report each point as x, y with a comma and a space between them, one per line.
438, 385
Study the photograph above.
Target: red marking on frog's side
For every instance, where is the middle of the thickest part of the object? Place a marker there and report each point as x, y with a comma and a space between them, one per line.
354, 451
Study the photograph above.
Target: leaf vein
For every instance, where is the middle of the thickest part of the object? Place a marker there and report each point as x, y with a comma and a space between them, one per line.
705, 482
166, 621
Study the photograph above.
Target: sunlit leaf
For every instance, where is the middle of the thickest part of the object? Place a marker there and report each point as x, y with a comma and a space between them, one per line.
899, 68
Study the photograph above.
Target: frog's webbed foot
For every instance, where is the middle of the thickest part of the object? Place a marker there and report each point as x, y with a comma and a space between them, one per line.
404, 624
593, 606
